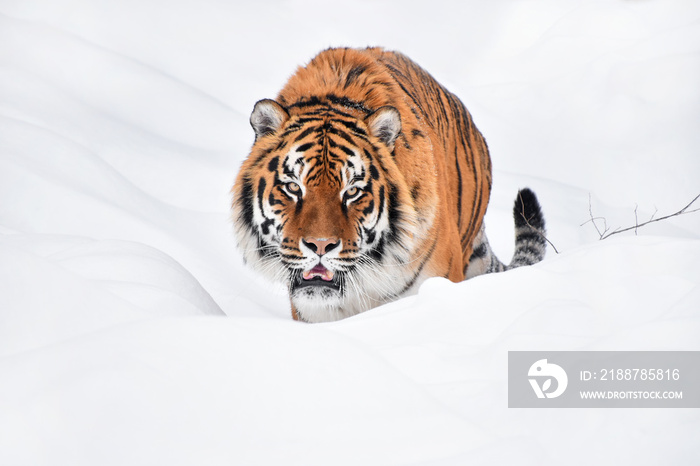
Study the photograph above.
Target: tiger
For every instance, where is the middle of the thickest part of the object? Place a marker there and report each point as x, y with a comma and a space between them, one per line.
367, 177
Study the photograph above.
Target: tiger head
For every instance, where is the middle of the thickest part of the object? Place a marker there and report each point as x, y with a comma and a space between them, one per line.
319, 204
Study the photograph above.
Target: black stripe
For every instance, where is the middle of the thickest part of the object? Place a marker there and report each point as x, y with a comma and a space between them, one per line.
477, 203
469, 153
345, 102
394, 213
526, 250
296, 126
310, 102
459, 190
352, 127
415, 191
261, 156
479, 252
449, 267
261, 190
274, 201
342, 134
359, 177
288, 171
368, 210
245, 201
305, 147
264, 249
305, 133
265, 226
396, 73
471, 131
369, 156
371, 236
347, 151
353, 74
327, 110
529, 236
307, 119
425, 260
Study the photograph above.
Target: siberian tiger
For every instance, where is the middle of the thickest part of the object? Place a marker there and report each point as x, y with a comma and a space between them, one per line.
366, 178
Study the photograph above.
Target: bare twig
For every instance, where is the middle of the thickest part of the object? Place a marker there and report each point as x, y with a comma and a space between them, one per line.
656, 211
637, 225
592, 220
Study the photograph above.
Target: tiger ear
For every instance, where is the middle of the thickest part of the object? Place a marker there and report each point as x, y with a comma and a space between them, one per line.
268, 116
385, 124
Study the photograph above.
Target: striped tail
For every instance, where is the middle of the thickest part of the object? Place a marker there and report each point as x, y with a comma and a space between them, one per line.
530, 242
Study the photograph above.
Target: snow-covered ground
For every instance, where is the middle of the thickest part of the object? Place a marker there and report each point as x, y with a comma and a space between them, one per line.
132, 334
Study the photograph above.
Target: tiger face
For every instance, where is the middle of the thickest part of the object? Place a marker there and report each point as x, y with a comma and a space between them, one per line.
317, 206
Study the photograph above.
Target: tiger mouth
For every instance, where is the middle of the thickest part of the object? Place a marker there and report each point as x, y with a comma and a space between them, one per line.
318, 276
319, 271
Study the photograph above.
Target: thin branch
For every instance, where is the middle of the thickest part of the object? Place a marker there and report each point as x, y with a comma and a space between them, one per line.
637, 225
592, 220
656, 211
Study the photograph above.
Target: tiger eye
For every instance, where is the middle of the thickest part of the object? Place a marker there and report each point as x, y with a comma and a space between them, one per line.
293, 188
351, 192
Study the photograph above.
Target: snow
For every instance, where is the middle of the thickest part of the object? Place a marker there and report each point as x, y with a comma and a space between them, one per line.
131, 332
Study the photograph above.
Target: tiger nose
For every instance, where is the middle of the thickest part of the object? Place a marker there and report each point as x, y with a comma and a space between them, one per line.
321, 246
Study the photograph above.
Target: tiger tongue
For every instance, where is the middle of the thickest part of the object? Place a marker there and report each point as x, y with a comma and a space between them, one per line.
319, 271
